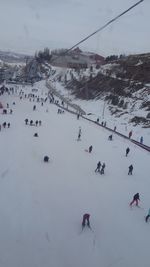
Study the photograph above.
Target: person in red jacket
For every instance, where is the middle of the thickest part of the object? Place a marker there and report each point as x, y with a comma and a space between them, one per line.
86, 220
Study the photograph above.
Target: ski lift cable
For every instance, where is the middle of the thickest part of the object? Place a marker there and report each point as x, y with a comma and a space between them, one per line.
101, 28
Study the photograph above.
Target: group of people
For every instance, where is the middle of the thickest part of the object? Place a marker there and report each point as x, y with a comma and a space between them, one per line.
60, 111
31, 122
100, 167
136, 199
5, 125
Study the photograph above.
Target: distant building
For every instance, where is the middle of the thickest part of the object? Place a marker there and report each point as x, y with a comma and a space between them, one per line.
77, 59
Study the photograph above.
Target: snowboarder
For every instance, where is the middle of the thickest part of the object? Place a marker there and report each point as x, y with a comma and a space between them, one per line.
130, 134
85, 220
136, 198
130, 169
90, 149
148, 215
103, 168
110, 137
98, 167
127, 151
46, 159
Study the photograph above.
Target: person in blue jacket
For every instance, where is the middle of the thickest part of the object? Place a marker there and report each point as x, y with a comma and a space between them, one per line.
141, 140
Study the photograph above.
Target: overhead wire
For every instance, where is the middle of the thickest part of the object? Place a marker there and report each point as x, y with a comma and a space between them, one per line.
100, 29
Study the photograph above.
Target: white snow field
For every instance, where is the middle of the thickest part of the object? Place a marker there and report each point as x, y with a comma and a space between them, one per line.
42, 204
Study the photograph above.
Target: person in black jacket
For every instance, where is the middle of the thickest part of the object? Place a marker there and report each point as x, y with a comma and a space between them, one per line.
110, 137
98, 167
127, 151
136, 198
90, 149
130, 170
86, 220
103, 168
26, 121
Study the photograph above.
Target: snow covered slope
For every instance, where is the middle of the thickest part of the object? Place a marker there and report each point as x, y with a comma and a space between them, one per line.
42, 204
128, 107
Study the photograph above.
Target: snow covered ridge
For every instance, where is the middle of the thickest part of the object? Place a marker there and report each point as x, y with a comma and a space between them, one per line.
121, 84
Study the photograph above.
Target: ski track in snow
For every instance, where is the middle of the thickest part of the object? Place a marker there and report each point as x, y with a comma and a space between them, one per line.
42, 204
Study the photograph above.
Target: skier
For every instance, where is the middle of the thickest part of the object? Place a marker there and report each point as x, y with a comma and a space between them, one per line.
79, 134
148, 215
36, 122
130, 169
4, 124
8, 125
102, 169
141, 140
78, 115
34, 107
26, 121
46, 159
98, 167
85, 220
40, 123
36, 135
127, 151
31, 122
90, 149
115, 129
136, 198
130, 134
110, 137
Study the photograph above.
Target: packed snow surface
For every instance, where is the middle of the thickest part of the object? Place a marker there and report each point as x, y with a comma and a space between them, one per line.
42, 204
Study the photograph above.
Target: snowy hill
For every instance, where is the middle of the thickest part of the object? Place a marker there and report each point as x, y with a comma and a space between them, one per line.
12, 57
42, 204
123, 102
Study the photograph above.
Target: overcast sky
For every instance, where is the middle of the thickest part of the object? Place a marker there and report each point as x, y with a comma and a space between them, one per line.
30, 25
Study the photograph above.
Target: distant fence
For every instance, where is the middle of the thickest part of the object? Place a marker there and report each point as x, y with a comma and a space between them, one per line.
66, 101
19, 83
